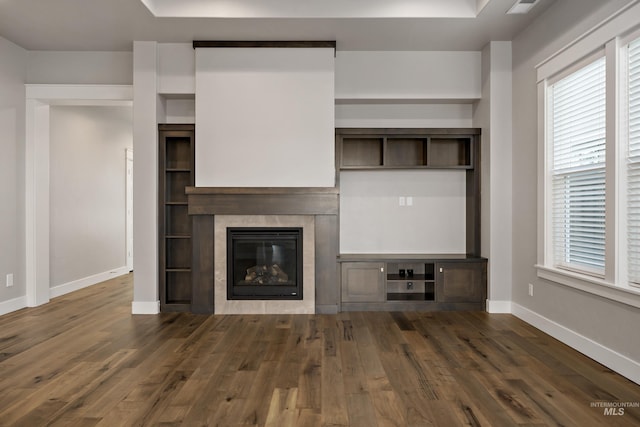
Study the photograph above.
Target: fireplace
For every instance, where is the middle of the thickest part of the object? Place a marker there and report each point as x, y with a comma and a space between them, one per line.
264, 263
215, 210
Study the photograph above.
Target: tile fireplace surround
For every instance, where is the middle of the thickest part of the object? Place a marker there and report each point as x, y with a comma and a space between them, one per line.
224, 306
214, 209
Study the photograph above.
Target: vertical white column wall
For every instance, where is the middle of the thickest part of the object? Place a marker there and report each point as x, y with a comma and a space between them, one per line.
12, 117
145, 178
37, 203
494, 115
500, 260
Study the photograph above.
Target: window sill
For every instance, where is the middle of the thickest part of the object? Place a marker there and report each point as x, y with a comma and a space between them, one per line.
592, 285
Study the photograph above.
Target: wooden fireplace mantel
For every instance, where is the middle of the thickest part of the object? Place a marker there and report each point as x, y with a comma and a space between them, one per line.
261, 190
262, 200
204, 203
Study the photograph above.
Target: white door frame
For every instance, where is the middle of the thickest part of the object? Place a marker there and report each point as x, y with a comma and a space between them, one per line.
129, 208
39, 98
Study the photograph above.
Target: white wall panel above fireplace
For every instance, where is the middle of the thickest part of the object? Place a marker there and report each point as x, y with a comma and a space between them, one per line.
265, 117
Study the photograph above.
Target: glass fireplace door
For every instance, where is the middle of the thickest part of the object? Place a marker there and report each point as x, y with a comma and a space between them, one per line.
264, 263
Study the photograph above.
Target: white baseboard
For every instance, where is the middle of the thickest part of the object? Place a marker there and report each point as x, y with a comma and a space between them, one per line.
13, 305
65, 288
145, 307
610, 358
494, 306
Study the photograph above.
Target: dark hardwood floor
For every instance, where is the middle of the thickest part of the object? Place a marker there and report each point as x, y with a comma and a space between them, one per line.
84, 360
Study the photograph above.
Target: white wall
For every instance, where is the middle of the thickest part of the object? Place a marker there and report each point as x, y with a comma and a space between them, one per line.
265, 117
13, 62
493, 113
404, 89
371, 220
177, 110
408, 75
589, 320
377, 75
404, 115
176, 73
51, 67
83, 74
162, 87
394, 96
176, 68
146, 113
87, 190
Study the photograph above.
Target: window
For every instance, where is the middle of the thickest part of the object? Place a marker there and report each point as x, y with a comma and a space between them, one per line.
578, 134
589, 182
633, 161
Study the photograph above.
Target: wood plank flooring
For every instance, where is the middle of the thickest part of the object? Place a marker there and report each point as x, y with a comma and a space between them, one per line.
84, 360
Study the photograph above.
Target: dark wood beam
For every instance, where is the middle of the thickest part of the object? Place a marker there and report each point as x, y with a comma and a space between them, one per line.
262, 201
265, 43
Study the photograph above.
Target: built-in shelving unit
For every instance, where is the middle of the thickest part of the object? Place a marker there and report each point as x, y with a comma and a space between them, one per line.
412, 282
380, 151
176, 171
418, 281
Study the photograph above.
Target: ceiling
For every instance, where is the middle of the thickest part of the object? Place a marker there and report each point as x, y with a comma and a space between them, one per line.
113, 25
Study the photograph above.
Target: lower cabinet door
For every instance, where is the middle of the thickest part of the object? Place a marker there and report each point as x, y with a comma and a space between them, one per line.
363, 282
461, 281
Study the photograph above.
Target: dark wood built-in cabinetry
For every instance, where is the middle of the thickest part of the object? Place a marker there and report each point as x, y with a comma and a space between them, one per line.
464, 281
416, 281
398, 149
412, 282
363, 282
176, 157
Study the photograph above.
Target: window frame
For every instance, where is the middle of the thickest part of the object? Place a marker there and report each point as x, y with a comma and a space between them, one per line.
623, 104
609, 39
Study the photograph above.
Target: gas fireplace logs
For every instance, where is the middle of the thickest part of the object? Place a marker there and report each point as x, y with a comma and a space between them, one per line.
264, 275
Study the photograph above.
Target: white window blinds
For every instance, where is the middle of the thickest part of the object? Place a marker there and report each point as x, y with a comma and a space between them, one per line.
633, 162
577, 113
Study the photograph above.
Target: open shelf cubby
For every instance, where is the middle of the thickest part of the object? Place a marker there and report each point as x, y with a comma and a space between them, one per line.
175, 184
178, 253
399, 149
178, 153
410, 282
362, 152
178, 287
177, 220
450, 152
406, 152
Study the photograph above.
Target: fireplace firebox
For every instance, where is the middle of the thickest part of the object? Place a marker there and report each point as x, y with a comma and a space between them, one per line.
264, 263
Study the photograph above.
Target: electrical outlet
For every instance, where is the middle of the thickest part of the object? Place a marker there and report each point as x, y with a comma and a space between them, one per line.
530, 289
409, 201
401, 201
9, 280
